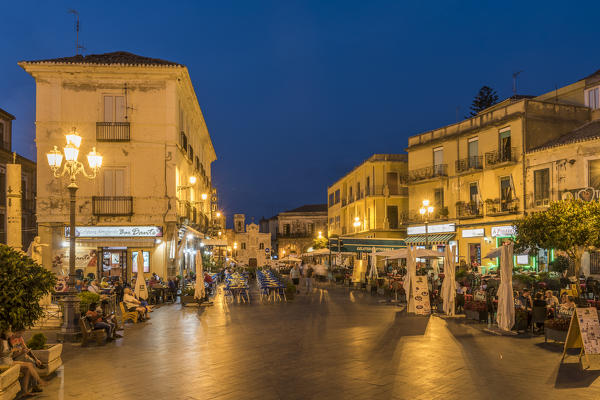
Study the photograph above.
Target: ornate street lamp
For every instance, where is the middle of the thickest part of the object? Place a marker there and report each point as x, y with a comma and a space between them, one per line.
426, 210
71, 168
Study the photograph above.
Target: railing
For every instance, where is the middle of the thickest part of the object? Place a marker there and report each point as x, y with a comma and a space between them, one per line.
501, 207
380, 191
415, 217
469, 210
350, 199
190, 152
501, 156
344, 202
112, 205
428, 172
469, 163
112, 132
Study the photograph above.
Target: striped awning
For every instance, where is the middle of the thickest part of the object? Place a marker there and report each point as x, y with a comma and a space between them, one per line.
432, 238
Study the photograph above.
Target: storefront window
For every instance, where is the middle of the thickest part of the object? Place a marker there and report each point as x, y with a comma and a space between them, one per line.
134, 256
475, 254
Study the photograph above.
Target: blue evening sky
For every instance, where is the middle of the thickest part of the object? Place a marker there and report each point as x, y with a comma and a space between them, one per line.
296, 93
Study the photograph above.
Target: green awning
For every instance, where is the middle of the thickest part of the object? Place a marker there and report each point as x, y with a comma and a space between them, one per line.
432, 238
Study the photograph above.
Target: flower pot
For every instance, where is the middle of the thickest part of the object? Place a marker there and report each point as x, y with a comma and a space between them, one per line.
8, 377
49, 353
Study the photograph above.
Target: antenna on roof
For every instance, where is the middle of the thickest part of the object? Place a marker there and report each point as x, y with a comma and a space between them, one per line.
515, 74
77, 45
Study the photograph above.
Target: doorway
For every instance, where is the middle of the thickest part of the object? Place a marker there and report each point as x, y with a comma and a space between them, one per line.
475, 254
113, 263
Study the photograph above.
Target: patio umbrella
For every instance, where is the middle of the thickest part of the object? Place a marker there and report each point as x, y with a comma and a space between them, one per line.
411, 271
141, 290
506, 302
449, 284
199, 292
373, 272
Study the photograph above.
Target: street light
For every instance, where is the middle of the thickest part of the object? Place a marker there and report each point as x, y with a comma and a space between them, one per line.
356, 222
71, 168
320, 235
426, 210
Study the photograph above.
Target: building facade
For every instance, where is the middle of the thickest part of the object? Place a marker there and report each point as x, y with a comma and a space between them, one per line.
28, 184
474, 174
298, 228
247, 245
143, 116
371, 201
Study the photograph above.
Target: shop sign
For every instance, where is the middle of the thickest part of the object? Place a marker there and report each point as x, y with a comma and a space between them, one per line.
441, 228
500, 231
116, 231
84, 258
470, 233
586, 194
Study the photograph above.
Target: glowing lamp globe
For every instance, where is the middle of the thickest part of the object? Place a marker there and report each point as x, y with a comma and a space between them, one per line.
71, 152
94, 159
54, 158
74, 139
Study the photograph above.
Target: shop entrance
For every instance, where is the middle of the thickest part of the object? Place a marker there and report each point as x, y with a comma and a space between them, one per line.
252, 262
113, 263
475, 254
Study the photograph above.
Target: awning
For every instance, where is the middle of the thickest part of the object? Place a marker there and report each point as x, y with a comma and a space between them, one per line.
434, 238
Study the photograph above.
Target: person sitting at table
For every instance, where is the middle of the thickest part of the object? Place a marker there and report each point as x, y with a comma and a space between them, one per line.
134, 304
93, 287
551, 299
525, 299
78, 285
119, 290
539, 300
85, 285
564, 297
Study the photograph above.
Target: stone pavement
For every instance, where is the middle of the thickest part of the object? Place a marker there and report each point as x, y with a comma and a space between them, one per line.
333, 344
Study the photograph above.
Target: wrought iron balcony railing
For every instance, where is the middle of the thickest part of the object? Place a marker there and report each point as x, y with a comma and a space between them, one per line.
428, 172
109, 206
112, 132
501, 206
469, 210
469, 163
501, 156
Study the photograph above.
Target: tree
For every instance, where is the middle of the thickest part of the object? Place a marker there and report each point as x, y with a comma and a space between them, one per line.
486, 97
319, 243
572, 226
23, 283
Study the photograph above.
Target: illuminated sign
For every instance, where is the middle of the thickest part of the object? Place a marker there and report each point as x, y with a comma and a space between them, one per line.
500, 231
469, 233
441, 228
116, 231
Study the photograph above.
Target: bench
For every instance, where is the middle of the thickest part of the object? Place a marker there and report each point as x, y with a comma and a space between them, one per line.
128, 315
88, 332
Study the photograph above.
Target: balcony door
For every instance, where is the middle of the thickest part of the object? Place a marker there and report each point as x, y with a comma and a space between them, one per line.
392, 182
114, 109
505, 145
473, 153
114, 182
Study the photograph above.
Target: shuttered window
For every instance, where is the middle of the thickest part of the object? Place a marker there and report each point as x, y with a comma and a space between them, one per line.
114, 109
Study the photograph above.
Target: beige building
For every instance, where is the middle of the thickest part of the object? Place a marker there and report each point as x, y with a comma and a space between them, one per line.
143, 116
247, 245
298, 228
371, 201
472, 172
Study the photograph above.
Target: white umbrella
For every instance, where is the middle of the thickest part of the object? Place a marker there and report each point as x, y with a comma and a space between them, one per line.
449, 284
506, 301
199, 292
141, 290
373, 272
411, 272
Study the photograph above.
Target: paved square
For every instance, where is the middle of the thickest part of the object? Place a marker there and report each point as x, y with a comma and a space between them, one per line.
333, 344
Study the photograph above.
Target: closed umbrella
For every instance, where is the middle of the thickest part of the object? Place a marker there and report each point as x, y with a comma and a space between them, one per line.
449, 284
199, 292
506, 301
411, 271
141, 290
373, 273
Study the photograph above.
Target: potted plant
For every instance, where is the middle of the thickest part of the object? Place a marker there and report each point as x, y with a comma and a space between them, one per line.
556, 329
187, 296
23, 283
48, 354
85, 299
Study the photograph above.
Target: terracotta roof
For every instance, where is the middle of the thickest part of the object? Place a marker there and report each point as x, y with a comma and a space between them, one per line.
6, 114
588, 131
309, 208
117, 57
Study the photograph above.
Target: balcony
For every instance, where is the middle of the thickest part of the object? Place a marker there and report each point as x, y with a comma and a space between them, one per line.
415, 217
434, 171
469, 163
381, 190
495, 207
112, 132
110, 206
344, 202
469, 210
500, 157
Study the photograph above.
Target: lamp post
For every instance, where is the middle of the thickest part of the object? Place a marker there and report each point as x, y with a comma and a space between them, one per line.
426, 210
71, 168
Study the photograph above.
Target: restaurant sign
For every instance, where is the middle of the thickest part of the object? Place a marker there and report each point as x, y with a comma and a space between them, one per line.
503, 231
470, 233
116, 231
585, 194
440, 228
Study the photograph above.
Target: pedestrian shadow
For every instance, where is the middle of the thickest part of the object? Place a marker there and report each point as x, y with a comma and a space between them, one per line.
571, 376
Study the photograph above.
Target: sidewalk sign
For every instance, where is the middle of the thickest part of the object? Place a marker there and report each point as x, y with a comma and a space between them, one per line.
420, 296
584, 334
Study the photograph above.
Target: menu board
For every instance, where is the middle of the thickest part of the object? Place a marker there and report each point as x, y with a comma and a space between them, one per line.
420, 296
590, 329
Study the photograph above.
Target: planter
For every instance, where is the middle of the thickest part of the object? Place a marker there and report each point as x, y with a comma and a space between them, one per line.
8, 376
556, 335
50, 357
10, 392
187, 300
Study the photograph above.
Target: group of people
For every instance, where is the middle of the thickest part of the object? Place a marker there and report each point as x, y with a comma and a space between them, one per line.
306, 271
14, 350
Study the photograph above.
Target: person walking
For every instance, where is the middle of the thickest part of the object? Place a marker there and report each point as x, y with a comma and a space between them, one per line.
309, 270
295, 276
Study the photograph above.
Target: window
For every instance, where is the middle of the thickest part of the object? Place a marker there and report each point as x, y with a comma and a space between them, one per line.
331, 199
358, 196
438, 161
368, 186
337, 196
350, 194
286, 229
261, 246
541, 187
114, 182
474, 193
594, 173
243, 245
592, 98
473, 153
438, 202
114, 109
392, 214
391, 179
134, 255
506, 193
505, 145
337, 221
310, 228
